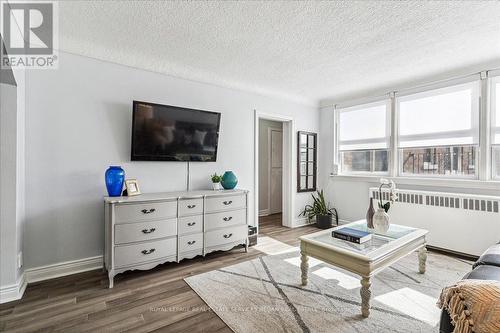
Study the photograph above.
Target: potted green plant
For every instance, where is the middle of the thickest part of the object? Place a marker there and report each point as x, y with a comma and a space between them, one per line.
216, 179
321, 210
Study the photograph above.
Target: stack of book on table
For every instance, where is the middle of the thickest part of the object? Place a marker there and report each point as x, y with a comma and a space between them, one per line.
352, 235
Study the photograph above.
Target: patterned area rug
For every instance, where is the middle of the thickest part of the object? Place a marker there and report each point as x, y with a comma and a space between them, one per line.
265, 295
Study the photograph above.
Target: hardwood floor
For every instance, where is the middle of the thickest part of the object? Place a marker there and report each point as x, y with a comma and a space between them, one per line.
141, 301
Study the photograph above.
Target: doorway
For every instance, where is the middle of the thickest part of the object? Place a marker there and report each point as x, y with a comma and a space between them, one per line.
273, 169
270, 167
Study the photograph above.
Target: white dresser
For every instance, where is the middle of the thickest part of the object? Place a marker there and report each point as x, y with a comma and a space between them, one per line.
144, 231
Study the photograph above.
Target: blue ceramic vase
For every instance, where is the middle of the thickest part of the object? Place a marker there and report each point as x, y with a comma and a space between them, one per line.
114, 177
229, 180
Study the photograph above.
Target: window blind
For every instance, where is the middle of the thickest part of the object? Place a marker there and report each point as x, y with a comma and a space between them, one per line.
440, 117
364, 127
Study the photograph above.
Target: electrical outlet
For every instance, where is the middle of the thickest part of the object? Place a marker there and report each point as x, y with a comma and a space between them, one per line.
335, 169
20, 260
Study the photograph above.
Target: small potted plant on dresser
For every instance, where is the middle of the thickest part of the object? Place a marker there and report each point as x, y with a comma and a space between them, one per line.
322, 211
216, 179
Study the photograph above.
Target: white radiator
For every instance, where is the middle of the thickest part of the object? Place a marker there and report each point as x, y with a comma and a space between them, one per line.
463, 223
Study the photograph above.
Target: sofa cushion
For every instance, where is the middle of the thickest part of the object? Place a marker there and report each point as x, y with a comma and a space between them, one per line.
484, 272
490, 257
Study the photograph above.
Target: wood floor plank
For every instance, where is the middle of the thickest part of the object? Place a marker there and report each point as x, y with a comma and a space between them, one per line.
141, 301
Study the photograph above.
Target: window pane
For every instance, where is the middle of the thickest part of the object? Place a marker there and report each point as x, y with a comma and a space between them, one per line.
364, 161
496, 162
302, 168
447, 116
363, 127
310, 169
303, 140
310, 182
496, 113
311, 142
452, 160
381, 161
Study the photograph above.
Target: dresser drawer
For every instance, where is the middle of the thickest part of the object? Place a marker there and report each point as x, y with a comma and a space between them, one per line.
225, 219
224, 236
144, 231
137, 253
128, 213
190, 224
190, 207
190, 242
217, 204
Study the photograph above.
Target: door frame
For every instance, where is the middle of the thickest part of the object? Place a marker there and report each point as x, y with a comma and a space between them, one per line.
269, 162
288, 165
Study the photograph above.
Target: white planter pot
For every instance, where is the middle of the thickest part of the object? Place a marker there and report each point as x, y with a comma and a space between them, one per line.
381, 221
216, 186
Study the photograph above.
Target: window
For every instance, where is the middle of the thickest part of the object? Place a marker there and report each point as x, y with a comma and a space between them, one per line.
439, 131
363, 137
495, 127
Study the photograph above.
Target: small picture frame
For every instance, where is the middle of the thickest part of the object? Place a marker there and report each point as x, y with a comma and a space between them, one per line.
132, 187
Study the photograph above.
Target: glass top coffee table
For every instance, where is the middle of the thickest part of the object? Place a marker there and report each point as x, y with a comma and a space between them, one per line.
365, 259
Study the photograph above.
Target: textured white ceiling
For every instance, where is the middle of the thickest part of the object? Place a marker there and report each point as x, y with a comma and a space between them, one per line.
305, 51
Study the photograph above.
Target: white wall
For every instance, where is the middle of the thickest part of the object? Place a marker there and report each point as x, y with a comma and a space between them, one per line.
78, 122
264, 126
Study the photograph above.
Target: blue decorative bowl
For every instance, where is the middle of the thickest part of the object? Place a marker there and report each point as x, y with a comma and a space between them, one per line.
114, 176
229, 180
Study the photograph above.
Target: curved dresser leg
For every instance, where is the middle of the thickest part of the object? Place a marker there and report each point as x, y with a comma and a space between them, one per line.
111, 276
366, 294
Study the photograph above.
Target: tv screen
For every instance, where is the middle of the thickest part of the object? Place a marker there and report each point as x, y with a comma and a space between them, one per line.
172, 133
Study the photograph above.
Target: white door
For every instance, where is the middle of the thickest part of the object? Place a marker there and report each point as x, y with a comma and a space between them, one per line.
275, 170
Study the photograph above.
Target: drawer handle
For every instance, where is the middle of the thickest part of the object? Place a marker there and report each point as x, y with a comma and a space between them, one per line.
146, 231
191, 206
228, 218
227, 202
227, 236
148, 251
146, 211
191, 242
191, 224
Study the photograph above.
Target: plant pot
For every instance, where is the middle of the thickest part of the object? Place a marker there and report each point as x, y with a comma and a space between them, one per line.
216, 186
324, 221
381, 221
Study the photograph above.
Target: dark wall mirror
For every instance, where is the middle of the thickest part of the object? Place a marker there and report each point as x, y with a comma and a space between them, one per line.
307, 147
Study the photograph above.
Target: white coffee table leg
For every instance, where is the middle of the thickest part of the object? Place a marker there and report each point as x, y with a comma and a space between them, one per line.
422, 258
366, 294
304, 267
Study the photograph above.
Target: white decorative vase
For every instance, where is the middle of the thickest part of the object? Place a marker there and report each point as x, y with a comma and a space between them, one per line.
381, 221
216, 186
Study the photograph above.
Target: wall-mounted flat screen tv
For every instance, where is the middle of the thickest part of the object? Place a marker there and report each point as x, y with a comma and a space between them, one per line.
171, 133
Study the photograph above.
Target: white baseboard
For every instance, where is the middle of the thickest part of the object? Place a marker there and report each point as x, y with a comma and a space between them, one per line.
302, 222
264, 212
63, 268
305, 221
15, 291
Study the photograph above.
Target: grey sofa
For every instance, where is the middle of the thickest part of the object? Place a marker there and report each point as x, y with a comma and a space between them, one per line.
487, 267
